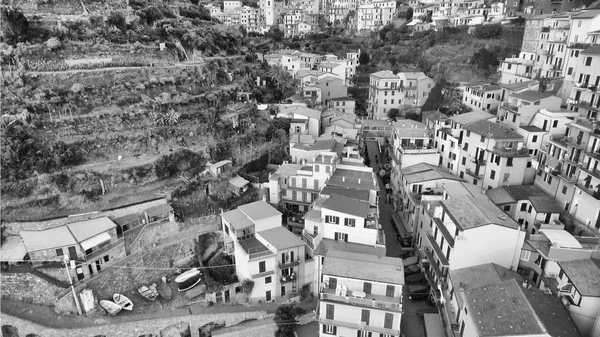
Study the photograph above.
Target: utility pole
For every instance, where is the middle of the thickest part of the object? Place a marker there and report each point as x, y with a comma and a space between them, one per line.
67, 261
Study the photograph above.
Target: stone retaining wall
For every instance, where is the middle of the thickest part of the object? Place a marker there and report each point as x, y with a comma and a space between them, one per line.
27, 287
136, 328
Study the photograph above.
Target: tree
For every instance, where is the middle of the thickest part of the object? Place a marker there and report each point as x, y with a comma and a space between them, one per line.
283, 80
364, 58
285, 318
485, 60
14, 26
393, 114
435, 99
488, 31
409, 14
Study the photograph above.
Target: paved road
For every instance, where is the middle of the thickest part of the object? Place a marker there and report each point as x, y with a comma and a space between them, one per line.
392, 246
411, 324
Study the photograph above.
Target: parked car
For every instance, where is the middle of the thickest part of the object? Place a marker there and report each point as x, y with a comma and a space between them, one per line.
417, 291
412, 269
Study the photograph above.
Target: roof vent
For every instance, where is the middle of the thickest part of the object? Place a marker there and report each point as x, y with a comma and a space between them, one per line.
502, 216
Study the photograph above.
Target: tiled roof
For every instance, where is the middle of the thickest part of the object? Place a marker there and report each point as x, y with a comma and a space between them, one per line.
492, 130
584, 274
345, 205
502, 309
470, 212
531, 95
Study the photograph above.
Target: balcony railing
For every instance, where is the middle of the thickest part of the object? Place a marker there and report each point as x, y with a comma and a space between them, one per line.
510, 107
510, 151
287, 278
418, 150
554, 224
364, 300
479, 162
288, 264
474, 174
588, 188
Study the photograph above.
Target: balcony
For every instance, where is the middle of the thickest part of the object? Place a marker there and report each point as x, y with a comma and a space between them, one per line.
554, 224
361, 299
413, 149
479, 162
584, 104
357, 326
289, 264
309, 239
588, 188
568, 141
474, 174
512, 151
438, 251
287, 278
518, 60
510, 107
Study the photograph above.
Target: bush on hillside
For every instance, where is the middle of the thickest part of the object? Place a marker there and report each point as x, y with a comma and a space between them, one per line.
488, 31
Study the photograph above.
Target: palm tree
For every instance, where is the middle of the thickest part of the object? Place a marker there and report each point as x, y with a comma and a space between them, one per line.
283, 80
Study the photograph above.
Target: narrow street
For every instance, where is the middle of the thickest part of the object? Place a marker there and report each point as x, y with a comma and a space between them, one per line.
392, 246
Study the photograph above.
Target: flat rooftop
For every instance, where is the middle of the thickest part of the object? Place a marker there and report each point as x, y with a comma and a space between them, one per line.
281, 238
253, 246
237, 219
471, 212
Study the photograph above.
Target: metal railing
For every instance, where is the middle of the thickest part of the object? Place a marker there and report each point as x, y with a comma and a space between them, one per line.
393, 304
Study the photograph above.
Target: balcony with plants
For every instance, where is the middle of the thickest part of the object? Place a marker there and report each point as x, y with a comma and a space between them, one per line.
510, 149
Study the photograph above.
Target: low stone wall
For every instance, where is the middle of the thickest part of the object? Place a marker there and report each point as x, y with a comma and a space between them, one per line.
136, 328
27, 287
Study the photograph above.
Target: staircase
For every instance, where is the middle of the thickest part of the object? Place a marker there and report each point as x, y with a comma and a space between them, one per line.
49, 279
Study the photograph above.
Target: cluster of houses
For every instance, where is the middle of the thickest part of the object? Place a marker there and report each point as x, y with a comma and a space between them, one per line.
301, 17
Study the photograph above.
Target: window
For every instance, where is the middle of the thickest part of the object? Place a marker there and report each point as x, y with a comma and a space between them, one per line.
525, 255
317, 168
509, 162
341, 236
534, 139
332, 219
59, 252
365, 315
329, 311
506, 208
388, 321
385, 101
390, 289
349, 222
466, 146
464, 160
492, 174
570, 71
367, 287
588, 61
267, 279
523, 207
564, 190
330, 329
106, 258
529, 209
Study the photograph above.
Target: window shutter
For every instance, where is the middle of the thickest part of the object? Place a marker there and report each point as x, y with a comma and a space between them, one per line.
365, 315
335, 330
388, 321
345, 221
367, 288
329, 312
282, 257
389, 291
324, 328
292, 256
332, 283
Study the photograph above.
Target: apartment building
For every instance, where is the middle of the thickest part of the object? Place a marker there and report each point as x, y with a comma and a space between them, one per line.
482, 96
416, 183
415, 87
92, 244
475, 301
585, 95
448, 134
579, 289
519, 108
384, 94
265, 252
530, 206
361, 295
305, 120
346, 105
493, 155
234, 14
569, 171
374, 14
412, 143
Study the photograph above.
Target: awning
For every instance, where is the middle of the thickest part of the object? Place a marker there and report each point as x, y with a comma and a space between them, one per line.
399, 226
95, 240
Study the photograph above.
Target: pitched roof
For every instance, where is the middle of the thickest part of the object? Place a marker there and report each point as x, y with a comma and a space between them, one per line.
329, 65
158, 210
364, 267
587, 14
259, 210
343, 204
425, 172
281, 238
523, 192
347, 98
328, 78
545, 204
83, 230
433, 115
492, 130
237, 219
482, 86
519, 85
384, 74
347, 192
301, 110
471, 117
238, 181
584, 274
471, 212
500, 196
531, 95
52, 238
502, 309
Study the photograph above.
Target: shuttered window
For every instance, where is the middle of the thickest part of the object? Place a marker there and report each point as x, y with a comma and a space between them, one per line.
329, 311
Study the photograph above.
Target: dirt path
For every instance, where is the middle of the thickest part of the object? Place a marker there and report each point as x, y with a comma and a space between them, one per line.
95, 70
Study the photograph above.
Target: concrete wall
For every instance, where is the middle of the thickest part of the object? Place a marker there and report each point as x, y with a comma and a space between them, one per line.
137, 328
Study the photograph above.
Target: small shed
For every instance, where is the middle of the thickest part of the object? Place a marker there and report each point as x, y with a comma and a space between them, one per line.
217, 169
238, 185
126, 223
159, 213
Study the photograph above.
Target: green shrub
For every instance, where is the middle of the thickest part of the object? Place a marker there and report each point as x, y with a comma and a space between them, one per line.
19, 189
181, 161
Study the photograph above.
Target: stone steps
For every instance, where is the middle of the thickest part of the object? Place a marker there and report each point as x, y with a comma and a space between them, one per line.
49, 279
